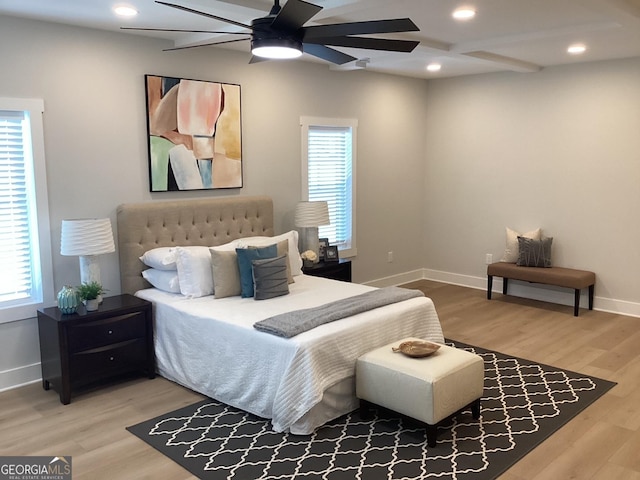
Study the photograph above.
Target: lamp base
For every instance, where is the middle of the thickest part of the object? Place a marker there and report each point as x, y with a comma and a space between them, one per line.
310, 239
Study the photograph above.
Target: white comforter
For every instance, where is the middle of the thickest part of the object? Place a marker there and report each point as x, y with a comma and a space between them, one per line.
210, 346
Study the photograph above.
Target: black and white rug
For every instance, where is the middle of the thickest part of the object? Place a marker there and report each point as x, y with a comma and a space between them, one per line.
523, 403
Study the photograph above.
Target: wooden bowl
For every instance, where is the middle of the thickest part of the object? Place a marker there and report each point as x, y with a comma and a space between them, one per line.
417, 348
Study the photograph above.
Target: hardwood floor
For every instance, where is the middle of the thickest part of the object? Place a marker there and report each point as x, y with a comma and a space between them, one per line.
601, 443
604, 440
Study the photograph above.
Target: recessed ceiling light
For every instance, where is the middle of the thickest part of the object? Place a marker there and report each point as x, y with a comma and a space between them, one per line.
576, 49
464, 13
434, 67
125, 11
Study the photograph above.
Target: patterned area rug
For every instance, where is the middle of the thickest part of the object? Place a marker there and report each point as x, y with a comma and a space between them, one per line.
523, 403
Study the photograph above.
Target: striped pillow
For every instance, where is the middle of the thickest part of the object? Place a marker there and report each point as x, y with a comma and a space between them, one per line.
534, 253
270, 277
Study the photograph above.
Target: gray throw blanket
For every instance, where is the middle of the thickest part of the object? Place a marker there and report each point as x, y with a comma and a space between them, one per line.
291, 324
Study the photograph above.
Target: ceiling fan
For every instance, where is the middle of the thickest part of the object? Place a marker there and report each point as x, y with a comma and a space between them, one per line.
282, 34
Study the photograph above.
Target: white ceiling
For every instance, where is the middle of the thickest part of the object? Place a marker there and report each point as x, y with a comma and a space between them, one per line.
505, 35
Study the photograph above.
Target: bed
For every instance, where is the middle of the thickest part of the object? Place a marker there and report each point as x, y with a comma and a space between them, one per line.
210, 345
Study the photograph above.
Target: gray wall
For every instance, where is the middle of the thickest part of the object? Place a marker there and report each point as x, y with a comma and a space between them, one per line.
559, 149
92, 83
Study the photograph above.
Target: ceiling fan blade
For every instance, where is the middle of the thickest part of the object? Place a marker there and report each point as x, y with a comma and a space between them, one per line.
204, 14
369, 43
204, 45
326, 53
185, 31
359, 28
294, 14
254, 4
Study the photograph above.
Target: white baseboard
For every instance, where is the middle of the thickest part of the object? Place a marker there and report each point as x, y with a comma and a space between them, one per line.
455, 279
621, 307
18, 377
399, 279
545, 293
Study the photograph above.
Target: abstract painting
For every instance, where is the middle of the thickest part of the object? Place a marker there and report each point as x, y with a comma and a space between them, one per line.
194, 130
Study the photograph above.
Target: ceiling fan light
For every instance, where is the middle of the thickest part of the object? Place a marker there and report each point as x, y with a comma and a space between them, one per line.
276, 52
276, 48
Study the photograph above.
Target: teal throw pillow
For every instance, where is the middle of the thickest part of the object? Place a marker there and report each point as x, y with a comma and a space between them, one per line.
245, 257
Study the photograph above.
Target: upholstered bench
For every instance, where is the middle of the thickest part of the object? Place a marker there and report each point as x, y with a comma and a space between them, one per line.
557, 276
429, 389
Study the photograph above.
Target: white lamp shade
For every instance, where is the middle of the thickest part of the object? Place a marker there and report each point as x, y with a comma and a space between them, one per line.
89, 236
312, 214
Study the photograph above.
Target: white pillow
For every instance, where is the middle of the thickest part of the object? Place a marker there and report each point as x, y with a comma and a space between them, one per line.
161, 258
295, 262
511, 251
194, 271
166, 280
227, 247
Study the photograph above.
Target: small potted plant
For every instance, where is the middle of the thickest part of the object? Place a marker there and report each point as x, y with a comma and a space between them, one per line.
90, 293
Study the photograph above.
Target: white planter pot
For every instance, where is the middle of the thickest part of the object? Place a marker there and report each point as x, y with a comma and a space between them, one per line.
92, 305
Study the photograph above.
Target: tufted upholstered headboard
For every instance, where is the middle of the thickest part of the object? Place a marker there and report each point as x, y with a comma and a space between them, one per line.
206, 222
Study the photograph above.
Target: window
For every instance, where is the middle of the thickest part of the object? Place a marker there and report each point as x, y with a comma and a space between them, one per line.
25, 246
328, 173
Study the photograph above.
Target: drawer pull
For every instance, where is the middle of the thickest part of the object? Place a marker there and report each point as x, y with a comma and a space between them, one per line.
111, 358
110, 332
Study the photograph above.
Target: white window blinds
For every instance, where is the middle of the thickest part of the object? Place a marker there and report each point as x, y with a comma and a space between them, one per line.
329, 166
22, 283
16, 281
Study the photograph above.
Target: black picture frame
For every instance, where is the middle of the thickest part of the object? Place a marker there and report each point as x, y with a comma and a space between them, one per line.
323, 243
331, 254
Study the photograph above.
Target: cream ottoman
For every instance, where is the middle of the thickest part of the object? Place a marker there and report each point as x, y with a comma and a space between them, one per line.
428, 389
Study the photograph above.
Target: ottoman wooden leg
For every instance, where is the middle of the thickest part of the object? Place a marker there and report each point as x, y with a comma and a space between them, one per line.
365, 410
432, 433
475, 409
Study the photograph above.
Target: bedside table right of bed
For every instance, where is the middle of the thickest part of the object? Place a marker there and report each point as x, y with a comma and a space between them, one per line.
340, 270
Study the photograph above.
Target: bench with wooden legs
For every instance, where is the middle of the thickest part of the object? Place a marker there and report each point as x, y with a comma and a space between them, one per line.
558, 276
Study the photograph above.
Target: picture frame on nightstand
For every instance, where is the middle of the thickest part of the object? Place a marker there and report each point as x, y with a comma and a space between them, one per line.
331, 254
323, 243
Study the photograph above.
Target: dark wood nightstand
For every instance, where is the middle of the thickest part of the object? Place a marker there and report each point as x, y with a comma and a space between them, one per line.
340, 270
87, 348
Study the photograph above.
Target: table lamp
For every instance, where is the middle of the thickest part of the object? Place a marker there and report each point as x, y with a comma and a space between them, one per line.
87, 238
309, 216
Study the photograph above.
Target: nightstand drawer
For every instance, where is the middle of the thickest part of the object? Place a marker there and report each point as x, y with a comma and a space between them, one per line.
107, 331
97, 363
